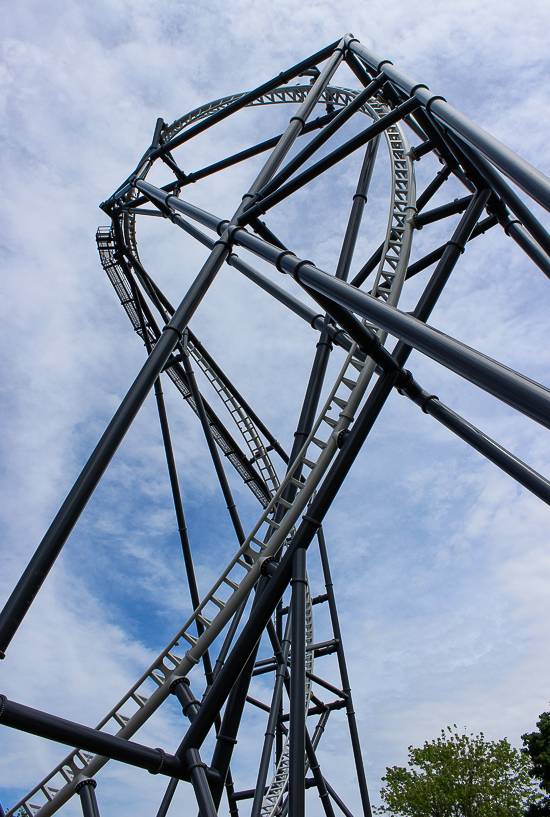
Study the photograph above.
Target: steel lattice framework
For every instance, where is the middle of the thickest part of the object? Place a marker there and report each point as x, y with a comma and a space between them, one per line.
294, 490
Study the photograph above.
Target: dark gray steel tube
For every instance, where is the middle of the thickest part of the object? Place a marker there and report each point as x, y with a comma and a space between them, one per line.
296, 786
359, 201
50, 547
249, 272
200, 784
44, 725
529, 247
176, 495
332, 159
506, 193
190, 706
227, 733
509, 386
512, 388
167, 798
518, 470
47, 552
521, 172
320, 781
313, 146
265, 759
451, 254
346, 686
338, 800
214, 453
88, 800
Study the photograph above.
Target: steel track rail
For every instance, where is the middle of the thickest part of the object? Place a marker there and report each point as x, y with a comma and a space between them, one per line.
261, 488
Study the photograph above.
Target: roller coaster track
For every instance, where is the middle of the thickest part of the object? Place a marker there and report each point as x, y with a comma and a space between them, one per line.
275, 524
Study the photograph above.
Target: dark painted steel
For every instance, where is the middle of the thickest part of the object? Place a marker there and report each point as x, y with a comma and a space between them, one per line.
270, 731
521, 172
47, 552
432, 188
358, 69
438, 213
338, 800
168, 797
281, 79
356, 215
44, 725
418, 151
452, 252
434, 256
468, 153
168, 310
505, 384
269, 599
531, 248
320, 781
318, 141
233, 260
189, 707
516, 205
329, 161
172, 471
421, 202
296, 789
86, 791
178, 505
236, 158
200, 783
226, 738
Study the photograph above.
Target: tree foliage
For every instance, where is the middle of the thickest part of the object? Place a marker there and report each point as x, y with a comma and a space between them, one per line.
537, 749
459, 775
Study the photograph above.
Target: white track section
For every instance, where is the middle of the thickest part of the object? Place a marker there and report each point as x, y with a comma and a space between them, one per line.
268, 536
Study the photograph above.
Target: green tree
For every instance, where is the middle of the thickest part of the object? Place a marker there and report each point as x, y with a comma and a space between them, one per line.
537, 749
460, 775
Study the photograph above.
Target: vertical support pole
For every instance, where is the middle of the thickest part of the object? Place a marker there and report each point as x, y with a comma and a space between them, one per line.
86, 791
190, 706
279, 734
296, 781
346, 686
359, 201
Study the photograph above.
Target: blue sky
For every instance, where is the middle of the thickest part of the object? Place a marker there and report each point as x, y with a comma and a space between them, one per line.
441, 563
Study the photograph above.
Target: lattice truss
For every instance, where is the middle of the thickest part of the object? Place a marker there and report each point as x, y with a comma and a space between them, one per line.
263, 595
